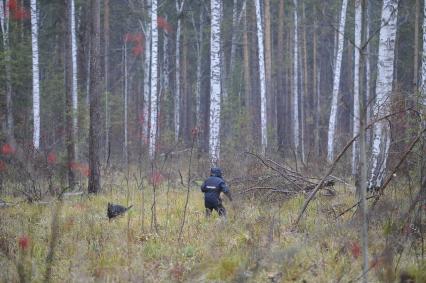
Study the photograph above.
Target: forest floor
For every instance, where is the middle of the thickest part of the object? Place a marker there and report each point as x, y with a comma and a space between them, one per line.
73, 240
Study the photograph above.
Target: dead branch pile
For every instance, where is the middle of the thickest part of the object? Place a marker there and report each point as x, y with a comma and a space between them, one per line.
277, 182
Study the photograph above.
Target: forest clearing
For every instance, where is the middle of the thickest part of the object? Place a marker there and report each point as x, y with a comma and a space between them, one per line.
213, 141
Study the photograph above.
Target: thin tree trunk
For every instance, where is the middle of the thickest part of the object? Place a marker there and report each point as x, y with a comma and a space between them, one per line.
246, 67
295, 102
36, 76
416, 48
74, 77
234, 37
304, 95
177, 99
356, 117
69, 82
146, 86
385, 69
361, 20
106, 79
4, 23
281, 77
95, 93
263, 117
154, 75
315, 87
271, 104
336, 84
199, 69
215, 83
125, 91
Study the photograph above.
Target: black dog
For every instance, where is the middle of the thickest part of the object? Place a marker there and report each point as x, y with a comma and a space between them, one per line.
116, 210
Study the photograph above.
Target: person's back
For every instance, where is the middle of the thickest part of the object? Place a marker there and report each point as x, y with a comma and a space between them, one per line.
212, 187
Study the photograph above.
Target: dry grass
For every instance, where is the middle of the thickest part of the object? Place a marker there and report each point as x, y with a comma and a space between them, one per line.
256, 243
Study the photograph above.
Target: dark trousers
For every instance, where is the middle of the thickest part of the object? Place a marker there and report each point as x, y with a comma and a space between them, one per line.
219, 208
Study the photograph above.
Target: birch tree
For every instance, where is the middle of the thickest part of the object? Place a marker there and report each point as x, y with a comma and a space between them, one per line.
263, 124
385, 70
215, 83
4, 24
146, 84
356, 122
74, 76
69, 83
154, 75
295, 119
177, 99
36, 75
336, 83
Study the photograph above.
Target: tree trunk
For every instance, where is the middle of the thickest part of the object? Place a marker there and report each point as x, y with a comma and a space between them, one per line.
199, 69
356, 117
4, 24
304, 95
416, 47
74, 78
261, 59
385, 69
69, 83
215, 83
336, 84
125, 92
295, 102
154, 75
316, 90
271, 103
36, 76
106, 80
95, 95
146, 86
280, 97
177, 99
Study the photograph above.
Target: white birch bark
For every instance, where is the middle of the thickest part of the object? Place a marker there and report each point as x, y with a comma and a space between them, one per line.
4, 24
154, 75
146, 85
179, 10
356, 121
368, 93
295, 101
260, 42
215, 83
336, 83
125, 149
385, 70
74, 90
35, 71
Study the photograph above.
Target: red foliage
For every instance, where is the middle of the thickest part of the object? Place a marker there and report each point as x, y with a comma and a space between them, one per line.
51, 158
355, 249
7, 149
163, 24
137, 50
2, 166
24, 242
156, 178
18, 12
83, 168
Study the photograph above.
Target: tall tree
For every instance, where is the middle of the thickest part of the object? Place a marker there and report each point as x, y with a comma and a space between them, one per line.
269, 94
356, 122
261, 59
69, 83
177, 100
106, 79
295, 112
280, 96
4, 24
146, 81
215, 83
154, 83
336, 83
36, 75
125, 92
74, 78
385, 69
94, 185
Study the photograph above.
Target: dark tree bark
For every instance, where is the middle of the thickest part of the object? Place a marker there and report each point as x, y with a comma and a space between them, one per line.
95, 90
70, 138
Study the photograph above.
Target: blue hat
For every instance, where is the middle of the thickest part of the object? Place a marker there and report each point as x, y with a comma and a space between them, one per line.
215, 171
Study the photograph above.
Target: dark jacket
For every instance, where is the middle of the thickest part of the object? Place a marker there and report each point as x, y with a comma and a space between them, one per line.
212, 187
